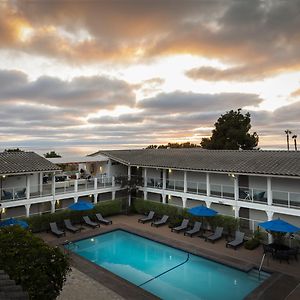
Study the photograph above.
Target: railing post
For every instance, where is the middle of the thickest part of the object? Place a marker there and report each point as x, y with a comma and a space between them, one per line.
207, 185
53, 185
53, 206
185, 182
145, 177
95, 183
41, 184
236, 188
28, 186
269, 191
164, 179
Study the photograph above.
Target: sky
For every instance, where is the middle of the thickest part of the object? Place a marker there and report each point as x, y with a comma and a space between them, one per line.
80, 76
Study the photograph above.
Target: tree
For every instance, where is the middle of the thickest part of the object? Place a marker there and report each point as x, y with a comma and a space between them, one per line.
294, 137
231, 132
39, 268
51, 154
288, 132
13, 150
173, 145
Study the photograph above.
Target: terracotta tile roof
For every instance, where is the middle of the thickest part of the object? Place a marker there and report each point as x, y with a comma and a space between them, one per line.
24, 162
282, 163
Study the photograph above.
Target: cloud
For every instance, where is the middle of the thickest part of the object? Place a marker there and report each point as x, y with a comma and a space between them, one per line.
81, 93
256, 37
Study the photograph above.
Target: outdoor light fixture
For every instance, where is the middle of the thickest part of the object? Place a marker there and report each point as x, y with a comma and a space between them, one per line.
57, 202
3, 210
169, 197
170, 171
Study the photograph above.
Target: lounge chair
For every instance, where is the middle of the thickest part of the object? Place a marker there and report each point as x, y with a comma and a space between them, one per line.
148, 218
71, 227
7, 195
239, 240
160, 222
216, 235
55, 230
194, 230
183, 226
21, 194
102, 220
89, 222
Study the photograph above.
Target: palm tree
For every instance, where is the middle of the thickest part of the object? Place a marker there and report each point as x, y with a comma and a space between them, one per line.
295, 141
288, 132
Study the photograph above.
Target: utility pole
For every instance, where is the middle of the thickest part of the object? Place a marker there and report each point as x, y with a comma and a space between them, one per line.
288, 132
295, 141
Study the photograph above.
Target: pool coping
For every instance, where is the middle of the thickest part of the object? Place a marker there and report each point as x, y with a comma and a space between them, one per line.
271, 287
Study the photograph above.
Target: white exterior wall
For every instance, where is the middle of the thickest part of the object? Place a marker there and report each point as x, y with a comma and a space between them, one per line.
257, 182
290, 219
196, 177
175, 201
258, 215
286, 185
19, 182
192, 203
153, 173
221, 179
176, 175
223, 209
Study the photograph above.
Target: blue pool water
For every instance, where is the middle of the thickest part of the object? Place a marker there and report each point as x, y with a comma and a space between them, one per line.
164, 271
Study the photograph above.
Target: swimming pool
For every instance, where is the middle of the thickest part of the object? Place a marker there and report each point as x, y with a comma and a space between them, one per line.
164, 271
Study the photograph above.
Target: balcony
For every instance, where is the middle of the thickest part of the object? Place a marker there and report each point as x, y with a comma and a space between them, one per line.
254, 195
60, 188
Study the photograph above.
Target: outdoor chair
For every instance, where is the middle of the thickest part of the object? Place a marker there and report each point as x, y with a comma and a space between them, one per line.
21, 194
238, 241
194, 230
293, 252
215, 236
160, 222
148, 218
70, 226
55, 230
102, 220
267, 249
89, 222
183, 226
7, 195
282, 255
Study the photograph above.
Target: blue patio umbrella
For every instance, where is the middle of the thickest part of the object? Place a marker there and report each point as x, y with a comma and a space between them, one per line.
12, 222
202, 211
81, 205
279, 225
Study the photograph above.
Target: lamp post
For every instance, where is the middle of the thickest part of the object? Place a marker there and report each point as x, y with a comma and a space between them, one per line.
295, 141
288, 132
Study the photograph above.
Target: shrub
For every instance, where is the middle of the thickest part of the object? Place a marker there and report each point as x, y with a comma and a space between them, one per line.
252, 244
41, 222
39, 268
230, 224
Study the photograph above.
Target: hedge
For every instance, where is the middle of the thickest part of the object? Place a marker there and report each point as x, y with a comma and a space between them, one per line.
39, 223
39, 268
177, 214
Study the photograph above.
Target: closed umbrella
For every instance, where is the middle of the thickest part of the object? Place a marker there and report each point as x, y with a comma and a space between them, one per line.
81, 206
12, 222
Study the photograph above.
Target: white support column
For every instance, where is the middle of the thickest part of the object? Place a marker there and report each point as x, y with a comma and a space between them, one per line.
27, 207
27, 186
183, 202
208, 203
95, 183
53, 206
236, 211
109, 164
113, 181
113, 195
270, 217
236, 188
163, 198
95, 198
76, 186
184, 181
53, 184
145, 195
207, 185
75, 199
164, 179
129, 178
41, 183
145, 177
269, 191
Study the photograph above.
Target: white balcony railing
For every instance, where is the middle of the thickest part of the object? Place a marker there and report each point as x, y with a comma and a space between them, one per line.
60, 188
280, 198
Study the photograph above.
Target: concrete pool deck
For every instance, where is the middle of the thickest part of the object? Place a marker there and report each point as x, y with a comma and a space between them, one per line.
283, 284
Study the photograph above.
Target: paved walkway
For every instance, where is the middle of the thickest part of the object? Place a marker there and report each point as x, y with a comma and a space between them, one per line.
217, 249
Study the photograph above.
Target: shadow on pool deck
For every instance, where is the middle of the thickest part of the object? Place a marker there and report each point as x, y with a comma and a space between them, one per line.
281, 284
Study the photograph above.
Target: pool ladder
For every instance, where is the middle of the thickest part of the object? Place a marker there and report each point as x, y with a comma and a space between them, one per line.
261, 264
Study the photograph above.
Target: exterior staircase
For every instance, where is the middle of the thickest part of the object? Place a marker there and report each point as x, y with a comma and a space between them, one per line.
9, 290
